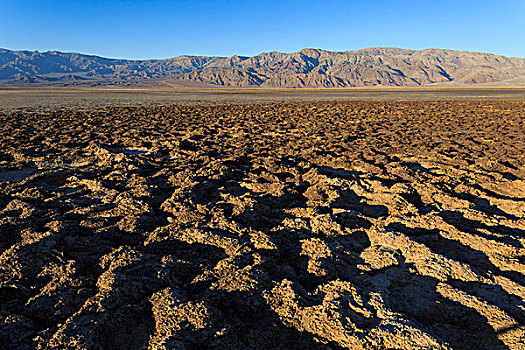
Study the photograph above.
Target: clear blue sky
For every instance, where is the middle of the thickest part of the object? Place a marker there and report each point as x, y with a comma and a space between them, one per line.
162, 29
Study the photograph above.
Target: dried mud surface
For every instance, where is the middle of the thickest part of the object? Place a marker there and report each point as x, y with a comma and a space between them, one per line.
361, 225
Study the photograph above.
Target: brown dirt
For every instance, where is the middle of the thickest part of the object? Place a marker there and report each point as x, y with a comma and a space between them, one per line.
361, 225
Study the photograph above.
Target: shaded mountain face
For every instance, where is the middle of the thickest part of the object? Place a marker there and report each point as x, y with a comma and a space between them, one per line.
306, 68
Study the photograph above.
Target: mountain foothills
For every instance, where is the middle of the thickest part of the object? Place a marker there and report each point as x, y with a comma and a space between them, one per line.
311, 68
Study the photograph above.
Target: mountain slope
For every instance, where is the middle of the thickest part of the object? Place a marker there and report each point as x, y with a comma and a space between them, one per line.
306, 68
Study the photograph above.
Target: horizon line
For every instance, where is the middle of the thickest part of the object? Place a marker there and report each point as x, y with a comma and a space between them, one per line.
261, 53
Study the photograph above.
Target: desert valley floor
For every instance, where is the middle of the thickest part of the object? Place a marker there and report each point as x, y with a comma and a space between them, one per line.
293, 225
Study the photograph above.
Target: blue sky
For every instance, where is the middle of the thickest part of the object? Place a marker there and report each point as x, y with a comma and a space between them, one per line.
162, 29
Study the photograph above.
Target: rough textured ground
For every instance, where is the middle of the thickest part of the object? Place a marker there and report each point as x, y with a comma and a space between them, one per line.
361, 225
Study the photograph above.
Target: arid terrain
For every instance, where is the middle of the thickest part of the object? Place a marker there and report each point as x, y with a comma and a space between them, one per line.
307, 68
290, 225
47, 99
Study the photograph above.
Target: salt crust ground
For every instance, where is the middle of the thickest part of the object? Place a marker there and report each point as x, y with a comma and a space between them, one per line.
361, 225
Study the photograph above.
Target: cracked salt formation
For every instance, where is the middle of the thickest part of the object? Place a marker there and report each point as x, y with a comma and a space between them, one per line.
306, 225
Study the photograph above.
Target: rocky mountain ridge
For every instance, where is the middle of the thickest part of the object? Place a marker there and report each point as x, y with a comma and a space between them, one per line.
313, 68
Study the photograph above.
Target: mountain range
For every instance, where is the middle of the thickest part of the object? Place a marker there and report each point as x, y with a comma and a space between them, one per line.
308, 68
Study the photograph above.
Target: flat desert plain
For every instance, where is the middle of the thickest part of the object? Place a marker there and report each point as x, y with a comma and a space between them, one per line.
39, 99
262, 222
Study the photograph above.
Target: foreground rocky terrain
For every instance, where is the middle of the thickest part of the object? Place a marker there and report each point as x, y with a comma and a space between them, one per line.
361, 225
312, 68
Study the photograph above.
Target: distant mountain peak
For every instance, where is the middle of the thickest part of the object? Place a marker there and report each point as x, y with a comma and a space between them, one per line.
309, 67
